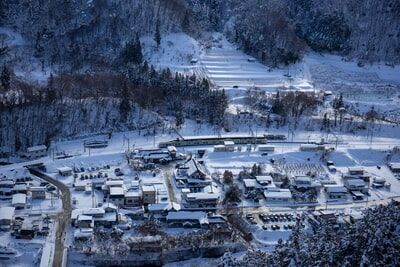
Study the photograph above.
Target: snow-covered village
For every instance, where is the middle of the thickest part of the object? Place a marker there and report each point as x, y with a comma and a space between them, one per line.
199, 133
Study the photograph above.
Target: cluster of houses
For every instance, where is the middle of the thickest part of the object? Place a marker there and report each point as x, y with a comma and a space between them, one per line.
85, 220
145, 159
356, 182
22, 227
318, 217
272, 192
193, 180
17, 194
18, 191
264, 185
117, 192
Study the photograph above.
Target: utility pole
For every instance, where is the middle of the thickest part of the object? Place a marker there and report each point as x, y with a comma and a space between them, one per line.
93, 197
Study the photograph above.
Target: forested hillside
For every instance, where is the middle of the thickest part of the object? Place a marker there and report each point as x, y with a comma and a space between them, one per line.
80, 104
372, 241
79, 41
91, 33
279, 31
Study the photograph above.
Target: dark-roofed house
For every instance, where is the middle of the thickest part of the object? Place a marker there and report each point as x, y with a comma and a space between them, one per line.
192, 175
187, 219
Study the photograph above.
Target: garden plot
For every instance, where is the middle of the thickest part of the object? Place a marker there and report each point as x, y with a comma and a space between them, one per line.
300, 168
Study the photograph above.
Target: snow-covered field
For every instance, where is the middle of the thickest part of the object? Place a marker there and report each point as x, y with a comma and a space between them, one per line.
175, 52
229, 67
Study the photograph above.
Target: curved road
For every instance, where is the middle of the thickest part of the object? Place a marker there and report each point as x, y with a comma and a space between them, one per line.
62, 218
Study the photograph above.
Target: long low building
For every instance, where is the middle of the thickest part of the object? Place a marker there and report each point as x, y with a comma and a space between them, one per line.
336, 191
216, 140
187, 218
281, 195
201, 200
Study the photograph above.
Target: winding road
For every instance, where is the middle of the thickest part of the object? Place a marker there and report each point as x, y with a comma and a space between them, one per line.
62, 218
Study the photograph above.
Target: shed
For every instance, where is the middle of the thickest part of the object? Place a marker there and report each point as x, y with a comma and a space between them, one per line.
65, 171
38, 192
6, 216
283, 195
264, 179
395, 167
356, 170
266, 148
19, 201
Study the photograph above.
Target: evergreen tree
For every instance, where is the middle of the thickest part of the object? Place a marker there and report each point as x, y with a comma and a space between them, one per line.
124, 106
186, 23
5, 78
338, 102
179, 118
132, 52
325, 122
51, 93
277, 106
138, 50
232, 195
157, 34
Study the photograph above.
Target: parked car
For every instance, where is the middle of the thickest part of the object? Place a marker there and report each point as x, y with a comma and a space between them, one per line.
118, 172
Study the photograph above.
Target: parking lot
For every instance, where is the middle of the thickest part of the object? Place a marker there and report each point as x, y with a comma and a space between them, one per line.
273, 221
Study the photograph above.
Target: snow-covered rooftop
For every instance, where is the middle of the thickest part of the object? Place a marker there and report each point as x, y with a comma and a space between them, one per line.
36, 148
248, 183
283, 193
394, 165
356, 182
19, 199
203, 196
7, 213
199, 216
116, 190
336, 189
64, 169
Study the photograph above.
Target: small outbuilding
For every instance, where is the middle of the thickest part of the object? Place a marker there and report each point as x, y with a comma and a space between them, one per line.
38, 192
19, 201
65, 171
35, 152
6, 216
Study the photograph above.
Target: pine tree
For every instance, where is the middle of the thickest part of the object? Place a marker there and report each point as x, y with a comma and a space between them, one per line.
51, 93
138, 50
179, 118
277, 106
157, 34
186, 23
5, 78
124, 106
132, 52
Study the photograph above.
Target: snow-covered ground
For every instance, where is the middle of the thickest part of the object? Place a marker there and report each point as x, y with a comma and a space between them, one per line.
175, 52
229, 67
